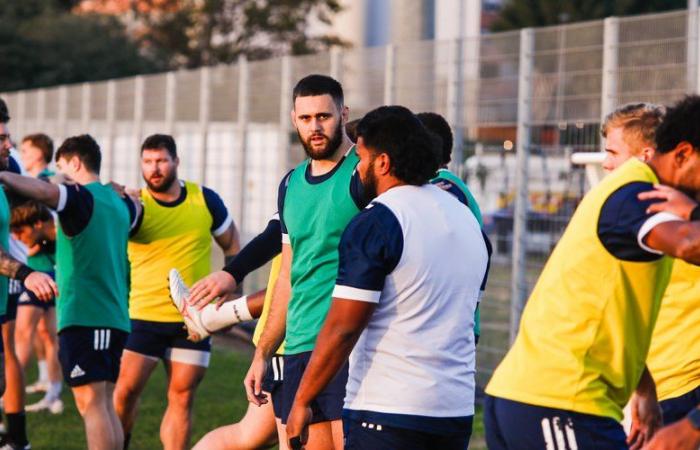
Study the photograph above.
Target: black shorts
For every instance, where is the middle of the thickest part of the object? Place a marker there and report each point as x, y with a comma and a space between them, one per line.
11, 311
328, 405
273, 381
513, 425
675, 409
27, 298
89, 355
361, 435
167, 340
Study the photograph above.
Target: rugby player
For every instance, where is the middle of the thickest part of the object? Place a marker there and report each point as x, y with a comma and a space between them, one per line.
404, 268
599, 296
174, 229
92, 274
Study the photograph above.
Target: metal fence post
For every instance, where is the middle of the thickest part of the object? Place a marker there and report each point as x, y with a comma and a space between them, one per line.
22, 111
170, 93
608, 95
111, 124
336, 63
455, 106
389, 74
204, 108
519, 287
242, 136
285, 108
139, 94
62, 112
41, 108
85, 106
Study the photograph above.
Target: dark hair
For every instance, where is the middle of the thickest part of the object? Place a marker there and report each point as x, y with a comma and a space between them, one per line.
43, 143
351, 129
85, 148
680, 124
396, 131
160, 142
29, 213
313, 85
437, 124
4, 112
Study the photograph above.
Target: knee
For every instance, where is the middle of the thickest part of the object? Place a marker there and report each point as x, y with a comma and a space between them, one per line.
180, 399
125, 397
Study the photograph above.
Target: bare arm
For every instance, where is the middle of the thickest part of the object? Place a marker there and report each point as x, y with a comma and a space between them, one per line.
229, 240
678, 239
39, 283
34, 188
646, 412
273, 333
343, 326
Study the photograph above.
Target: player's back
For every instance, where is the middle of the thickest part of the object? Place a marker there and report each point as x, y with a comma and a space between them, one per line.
416, 355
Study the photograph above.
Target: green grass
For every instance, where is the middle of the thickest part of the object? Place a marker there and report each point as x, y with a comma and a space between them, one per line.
220, 400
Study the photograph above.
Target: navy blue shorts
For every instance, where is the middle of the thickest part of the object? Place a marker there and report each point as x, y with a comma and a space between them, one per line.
677, 408
11, 311
272, 383
167, 340
517, 426
89, 355
27, 298
371, 436
328, 405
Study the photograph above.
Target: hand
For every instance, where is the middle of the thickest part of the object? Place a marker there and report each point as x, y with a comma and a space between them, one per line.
678, 436
674, 201
646, 420
298, 425
253, 380
216, 284
42, 285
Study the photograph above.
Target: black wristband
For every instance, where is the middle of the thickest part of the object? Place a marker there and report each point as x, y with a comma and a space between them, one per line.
695, 213
22, 273
228, 259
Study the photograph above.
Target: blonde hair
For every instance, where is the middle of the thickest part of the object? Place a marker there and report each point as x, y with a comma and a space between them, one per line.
638, 122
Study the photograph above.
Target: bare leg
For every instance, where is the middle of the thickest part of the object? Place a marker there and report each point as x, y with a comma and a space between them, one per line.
25, 331
133, 374
14, 392
46, 330
183, 380
255, 430
93, 401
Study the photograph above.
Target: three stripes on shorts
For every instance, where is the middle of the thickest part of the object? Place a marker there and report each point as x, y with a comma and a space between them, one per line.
559, 435
102, 339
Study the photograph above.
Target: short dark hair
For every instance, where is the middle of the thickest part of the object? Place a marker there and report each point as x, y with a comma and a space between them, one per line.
4, 112
85, 148
680, 124
29, 213
160, 142
396, 131
43, 143
313, 85
437, 124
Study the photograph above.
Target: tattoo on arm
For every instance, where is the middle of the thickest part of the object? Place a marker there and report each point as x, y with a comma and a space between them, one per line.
9, 266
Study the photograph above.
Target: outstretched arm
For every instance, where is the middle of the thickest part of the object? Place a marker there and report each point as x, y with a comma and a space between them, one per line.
34, 188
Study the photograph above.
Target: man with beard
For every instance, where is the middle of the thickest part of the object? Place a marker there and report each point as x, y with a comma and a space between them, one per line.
404, 267
316, 201
174, 231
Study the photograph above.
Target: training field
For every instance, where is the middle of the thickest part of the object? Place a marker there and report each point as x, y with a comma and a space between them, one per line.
220, 400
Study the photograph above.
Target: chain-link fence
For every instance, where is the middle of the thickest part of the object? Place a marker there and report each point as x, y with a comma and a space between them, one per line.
520, 104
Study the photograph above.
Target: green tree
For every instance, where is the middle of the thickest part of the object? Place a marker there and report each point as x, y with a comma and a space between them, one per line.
518, 14
204, 32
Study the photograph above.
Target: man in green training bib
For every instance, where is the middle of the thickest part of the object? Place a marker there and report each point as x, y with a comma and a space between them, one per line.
316, 201
92, 276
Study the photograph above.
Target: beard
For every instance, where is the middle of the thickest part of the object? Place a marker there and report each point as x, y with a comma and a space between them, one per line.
369, 183
165, 183
332, 144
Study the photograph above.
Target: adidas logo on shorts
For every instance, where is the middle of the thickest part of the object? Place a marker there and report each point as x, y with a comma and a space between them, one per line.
77, 372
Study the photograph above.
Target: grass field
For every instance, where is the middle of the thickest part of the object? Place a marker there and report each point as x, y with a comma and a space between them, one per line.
220, 400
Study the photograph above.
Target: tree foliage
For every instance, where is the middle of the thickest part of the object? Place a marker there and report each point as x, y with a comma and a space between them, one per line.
518, 14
